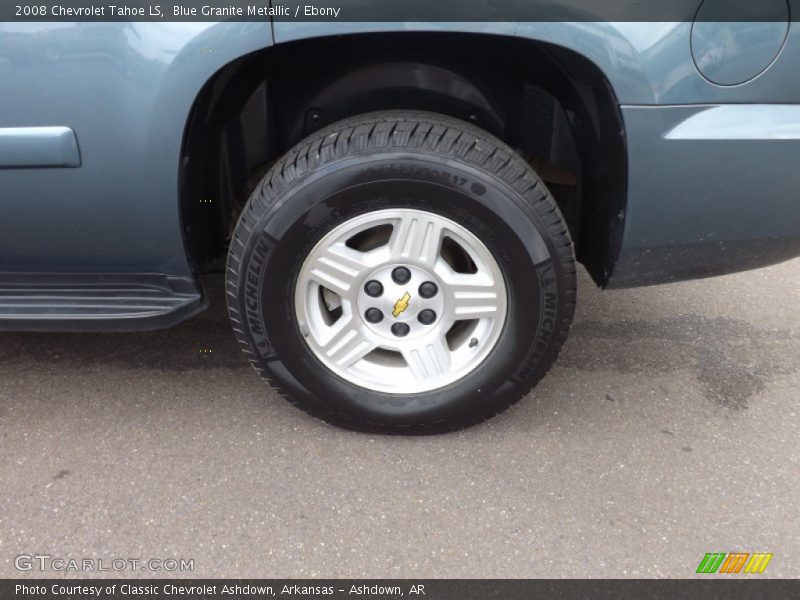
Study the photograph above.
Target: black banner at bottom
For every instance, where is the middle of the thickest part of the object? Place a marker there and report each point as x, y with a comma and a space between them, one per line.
381, 589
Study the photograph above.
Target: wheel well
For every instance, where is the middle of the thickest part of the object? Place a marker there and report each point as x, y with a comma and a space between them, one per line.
552, 105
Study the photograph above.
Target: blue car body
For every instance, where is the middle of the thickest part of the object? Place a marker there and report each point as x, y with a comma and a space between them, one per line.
101, 223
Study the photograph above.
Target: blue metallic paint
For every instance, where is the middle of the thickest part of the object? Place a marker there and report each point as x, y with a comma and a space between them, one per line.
126, 89
702, 202
740, 122
700, 190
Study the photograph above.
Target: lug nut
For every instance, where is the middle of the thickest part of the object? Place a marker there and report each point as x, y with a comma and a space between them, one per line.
373, 288
428, 289
400, 329
426, 317
401, 275
373, 315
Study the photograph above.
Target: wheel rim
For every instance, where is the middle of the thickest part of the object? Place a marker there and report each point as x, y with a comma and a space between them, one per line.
400, 301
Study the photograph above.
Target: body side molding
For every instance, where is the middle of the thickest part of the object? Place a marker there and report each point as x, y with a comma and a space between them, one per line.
38, 147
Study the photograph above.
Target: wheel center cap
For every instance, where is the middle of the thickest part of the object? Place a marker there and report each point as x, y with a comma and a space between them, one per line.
400, 304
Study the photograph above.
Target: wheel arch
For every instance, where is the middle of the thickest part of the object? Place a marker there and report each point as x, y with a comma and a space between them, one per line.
554, 104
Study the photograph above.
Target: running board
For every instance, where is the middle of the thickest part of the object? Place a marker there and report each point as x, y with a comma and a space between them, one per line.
135, 302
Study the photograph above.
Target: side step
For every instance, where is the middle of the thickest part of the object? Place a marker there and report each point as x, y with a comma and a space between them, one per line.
127, 302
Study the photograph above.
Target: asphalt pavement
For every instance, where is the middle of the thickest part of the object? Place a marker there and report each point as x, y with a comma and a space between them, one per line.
667, 429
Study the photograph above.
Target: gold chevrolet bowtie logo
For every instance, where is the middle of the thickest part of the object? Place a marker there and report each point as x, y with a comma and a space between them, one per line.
401, 305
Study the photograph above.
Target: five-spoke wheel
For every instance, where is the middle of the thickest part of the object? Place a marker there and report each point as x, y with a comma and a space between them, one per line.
400, 301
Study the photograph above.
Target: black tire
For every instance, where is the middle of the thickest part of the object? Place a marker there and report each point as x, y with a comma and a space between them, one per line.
480, 183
